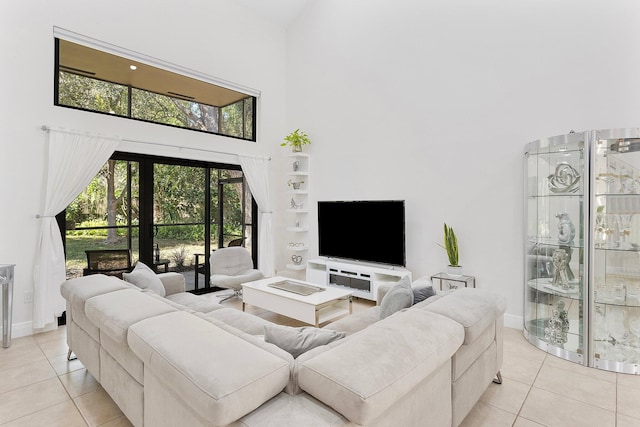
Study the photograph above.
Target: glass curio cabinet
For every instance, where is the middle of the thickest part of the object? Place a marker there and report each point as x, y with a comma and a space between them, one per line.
582, 247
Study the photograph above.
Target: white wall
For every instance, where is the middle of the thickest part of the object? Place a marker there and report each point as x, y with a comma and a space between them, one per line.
218, 38
427, 101
433, 102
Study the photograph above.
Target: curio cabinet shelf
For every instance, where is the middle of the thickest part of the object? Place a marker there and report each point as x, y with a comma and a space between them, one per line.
582, 247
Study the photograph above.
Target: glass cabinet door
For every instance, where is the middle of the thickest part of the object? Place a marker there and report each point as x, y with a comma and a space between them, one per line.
615, 314
555, 228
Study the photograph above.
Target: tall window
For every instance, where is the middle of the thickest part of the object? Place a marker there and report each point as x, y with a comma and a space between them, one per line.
182, 209
93, 80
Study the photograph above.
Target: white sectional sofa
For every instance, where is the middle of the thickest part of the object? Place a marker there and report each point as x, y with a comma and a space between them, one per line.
180, 360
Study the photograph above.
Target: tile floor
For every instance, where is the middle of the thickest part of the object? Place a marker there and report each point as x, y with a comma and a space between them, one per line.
39, 387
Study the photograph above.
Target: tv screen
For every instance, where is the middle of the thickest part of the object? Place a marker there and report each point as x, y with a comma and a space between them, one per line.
371, 231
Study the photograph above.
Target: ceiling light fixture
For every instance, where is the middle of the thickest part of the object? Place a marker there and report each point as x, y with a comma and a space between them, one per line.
133, 67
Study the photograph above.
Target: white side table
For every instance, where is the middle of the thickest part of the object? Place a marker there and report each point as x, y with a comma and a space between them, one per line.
447, 281
6, 280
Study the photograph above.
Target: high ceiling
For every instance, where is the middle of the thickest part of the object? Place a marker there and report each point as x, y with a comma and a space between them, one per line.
281, 12
94, 63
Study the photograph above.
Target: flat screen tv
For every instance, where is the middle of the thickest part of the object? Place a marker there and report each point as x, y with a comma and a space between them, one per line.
367, 231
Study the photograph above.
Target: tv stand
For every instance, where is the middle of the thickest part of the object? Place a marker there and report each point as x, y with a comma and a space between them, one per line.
362, 279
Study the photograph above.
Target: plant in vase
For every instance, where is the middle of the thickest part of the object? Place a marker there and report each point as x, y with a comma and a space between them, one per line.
451, 246
296, 140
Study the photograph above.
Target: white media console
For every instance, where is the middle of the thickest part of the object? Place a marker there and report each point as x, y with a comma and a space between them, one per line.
362, 279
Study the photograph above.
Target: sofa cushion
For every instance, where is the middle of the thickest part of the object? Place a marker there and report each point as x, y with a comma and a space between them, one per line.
219, 375
145, 278
80, 289
114, 312
399, 297
258, 341
200, 303
77, 291
422, 289
299, 340
245, 322
416, 344
474, 309
356, 322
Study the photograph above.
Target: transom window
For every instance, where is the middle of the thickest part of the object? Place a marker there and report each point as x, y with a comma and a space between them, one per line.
94, 80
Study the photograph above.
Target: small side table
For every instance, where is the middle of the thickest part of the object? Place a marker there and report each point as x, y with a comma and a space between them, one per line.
158, 263
6, 280
446, 281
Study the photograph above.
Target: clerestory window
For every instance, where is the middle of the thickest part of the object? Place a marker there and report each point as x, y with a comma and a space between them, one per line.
129, 86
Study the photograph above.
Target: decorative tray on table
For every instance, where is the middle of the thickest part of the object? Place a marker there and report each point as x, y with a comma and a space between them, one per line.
296, 287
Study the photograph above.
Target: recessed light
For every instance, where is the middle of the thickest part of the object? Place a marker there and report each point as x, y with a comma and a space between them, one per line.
133, 67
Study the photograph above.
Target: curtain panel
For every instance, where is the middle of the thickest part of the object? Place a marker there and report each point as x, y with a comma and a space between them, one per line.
256, 170
74, 159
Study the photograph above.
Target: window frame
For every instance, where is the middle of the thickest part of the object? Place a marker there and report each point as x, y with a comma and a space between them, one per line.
146, 165
250, 99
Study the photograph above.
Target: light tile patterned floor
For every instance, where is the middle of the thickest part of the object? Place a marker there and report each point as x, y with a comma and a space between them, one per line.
38, 387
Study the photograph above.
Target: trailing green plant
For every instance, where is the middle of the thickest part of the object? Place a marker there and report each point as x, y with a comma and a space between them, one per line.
297, 138
451, 245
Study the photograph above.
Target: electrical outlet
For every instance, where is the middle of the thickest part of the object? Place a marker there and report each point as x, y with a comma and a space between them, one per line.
28, 296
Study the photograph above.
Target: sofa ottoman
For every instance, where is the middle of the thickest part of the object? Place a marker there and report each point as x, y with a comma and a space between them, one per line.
197, 374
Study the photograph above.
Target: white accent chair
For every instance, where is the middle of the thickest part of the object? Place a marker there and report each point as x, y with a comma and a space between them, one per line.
230, 268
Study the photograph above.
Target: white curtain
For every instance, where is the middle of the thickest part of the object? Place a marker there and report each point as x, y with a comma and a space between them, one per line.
256, 170
73, 160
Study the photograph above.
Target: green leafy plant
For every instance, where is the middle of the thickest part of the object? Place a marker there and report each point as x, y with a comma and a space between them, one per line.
451, 245
296, 139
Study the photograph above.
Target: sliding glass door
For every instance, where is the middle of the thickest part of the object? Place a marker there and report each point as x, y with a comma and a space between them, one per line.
178, 214
170, 213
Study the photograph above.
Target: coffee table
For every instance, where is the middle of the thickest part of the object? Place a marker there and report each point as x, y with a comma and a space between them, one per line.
318, 307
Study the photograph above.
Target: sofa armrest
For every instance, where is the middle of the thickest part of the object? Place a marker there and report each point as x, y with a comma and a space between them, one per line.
173, 282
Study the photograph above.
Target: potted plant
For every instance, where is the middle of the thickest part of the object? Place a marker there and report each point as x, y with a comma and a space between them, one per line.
296, 140
451, 246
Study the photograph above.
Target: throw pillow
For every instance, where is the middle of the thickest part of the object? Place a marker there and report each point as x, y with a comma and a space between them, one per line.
399, 297
145, 278
422, 289
299, 340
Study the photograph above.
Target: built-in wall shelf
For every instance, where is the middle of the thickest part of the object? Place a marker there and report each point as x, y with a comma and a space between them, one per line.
297, 213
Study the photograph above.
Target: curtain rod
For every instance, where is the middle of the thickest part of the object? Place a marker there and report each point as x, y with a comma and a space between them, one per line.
180, 148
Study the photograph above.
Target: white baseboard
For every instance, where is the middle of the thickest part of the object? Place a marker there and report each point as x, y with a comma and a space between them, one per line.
25, 329
514, 322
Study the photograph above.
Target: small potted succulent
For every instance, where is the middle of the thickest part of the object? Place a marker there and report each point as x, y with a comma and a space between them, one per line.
296, 140
451, 246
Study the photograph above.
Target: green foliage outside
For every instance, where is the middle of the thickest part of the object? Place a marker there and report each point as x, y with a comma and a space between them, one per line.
179, 199
105, 97
178, 190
